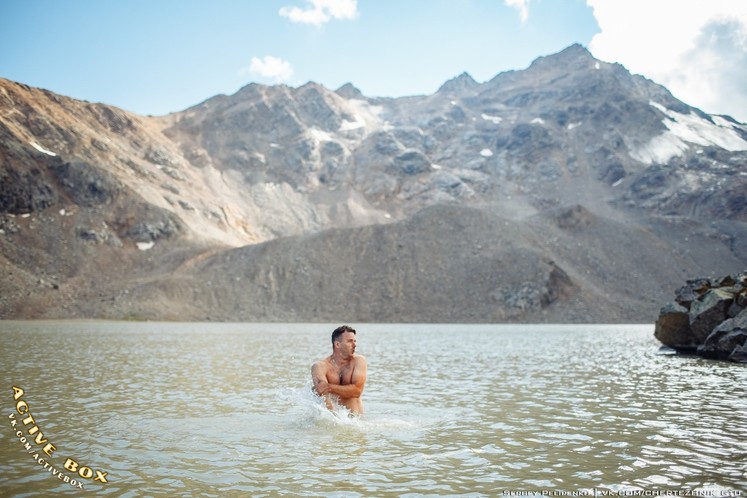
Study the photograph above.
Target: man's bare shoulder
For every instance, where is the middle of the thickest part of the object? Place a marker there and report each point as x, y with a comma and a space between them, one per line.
322, 364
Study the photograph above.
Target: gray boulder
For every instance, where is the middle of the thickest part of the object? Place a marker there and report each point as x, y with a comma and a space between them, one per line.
739, 354
709, 311
673, 327
721, 344
726, 338
708, 318
686, 294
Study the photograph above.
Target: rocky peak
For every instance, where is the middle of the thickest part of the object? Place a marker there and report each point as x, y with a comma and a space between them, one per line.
570, 57
349, 91
252, 92
464, 83
570, 144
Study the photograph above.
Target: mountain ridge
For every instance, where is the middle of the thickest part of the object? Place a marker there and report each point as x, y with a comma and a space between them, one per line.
108, 201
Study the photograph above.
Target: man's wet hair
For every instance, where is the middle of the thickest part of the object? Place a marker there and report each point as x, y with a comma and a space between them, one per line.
341, 330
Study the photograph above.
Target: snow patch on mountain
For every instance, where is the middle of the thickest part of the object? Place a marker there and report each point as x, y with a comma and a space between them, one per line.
319, 135
42, 149
686, 129
365, 116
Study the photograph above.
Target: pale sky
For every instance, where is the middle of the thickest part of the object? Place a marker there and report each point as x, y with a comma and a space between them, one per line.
161, 56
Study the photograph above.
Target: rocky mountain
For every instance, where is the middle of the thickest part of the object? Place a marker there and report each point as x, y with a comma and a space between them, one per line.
571, 191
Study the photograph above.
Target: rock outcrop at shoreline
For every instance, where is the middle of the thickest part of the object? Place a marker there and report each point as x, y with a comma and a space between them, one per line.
708, 318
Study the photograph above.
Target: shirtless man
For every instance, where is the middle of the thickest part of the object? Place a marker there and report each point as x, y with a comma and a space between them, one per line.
341, 375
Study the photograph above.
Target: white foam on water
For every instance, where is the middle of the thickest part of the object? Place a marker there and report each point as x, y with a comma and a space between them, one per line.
309, 410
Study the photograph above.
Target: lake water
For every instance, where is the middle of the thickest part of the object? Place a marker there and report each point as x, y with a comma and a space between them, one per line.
183, 409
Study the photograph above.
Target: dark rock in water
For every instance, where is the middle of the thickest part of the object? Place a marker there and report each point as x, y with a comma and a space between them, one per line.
673, 327
727, 339
708, 318
739, 354
720, 344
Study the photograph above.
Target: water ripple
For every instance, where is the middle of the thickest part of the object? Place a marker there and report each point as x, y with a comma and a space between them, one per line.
224, 410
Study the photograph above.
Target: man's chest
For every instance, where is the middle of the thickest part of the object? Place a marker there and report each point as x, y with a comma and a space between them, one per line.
340, 375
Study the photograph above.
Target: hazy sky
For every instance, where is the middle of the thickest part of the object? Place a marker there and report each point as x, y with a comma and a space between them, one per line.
159, 56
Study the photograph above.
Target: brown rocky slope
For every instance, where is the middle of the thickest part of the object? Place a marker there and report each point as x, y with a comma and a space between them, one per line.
562, 193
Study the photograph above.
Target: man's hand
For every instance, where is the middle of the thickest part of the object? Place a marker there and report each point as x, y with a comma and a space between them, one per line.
322, 387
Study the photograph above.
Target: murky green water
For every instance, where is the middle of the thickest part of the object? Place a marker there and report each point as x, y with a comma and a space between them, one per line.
174, 409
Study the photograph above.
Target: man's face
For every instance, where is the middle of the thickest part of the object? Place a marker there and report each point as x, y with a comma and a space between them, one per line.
347, 344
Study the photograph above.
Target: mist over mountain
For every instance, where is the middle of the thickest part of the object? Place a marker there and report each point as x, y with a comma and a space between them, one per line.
571, 191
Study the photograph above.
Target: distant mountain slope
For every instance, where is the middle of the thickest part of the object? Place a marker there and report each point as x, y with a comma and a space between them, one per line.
445, 264
568, 191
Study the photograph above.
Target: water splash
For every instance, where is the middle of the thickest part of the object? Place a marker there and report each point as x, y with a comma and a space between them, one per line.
309, 410
304, 404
